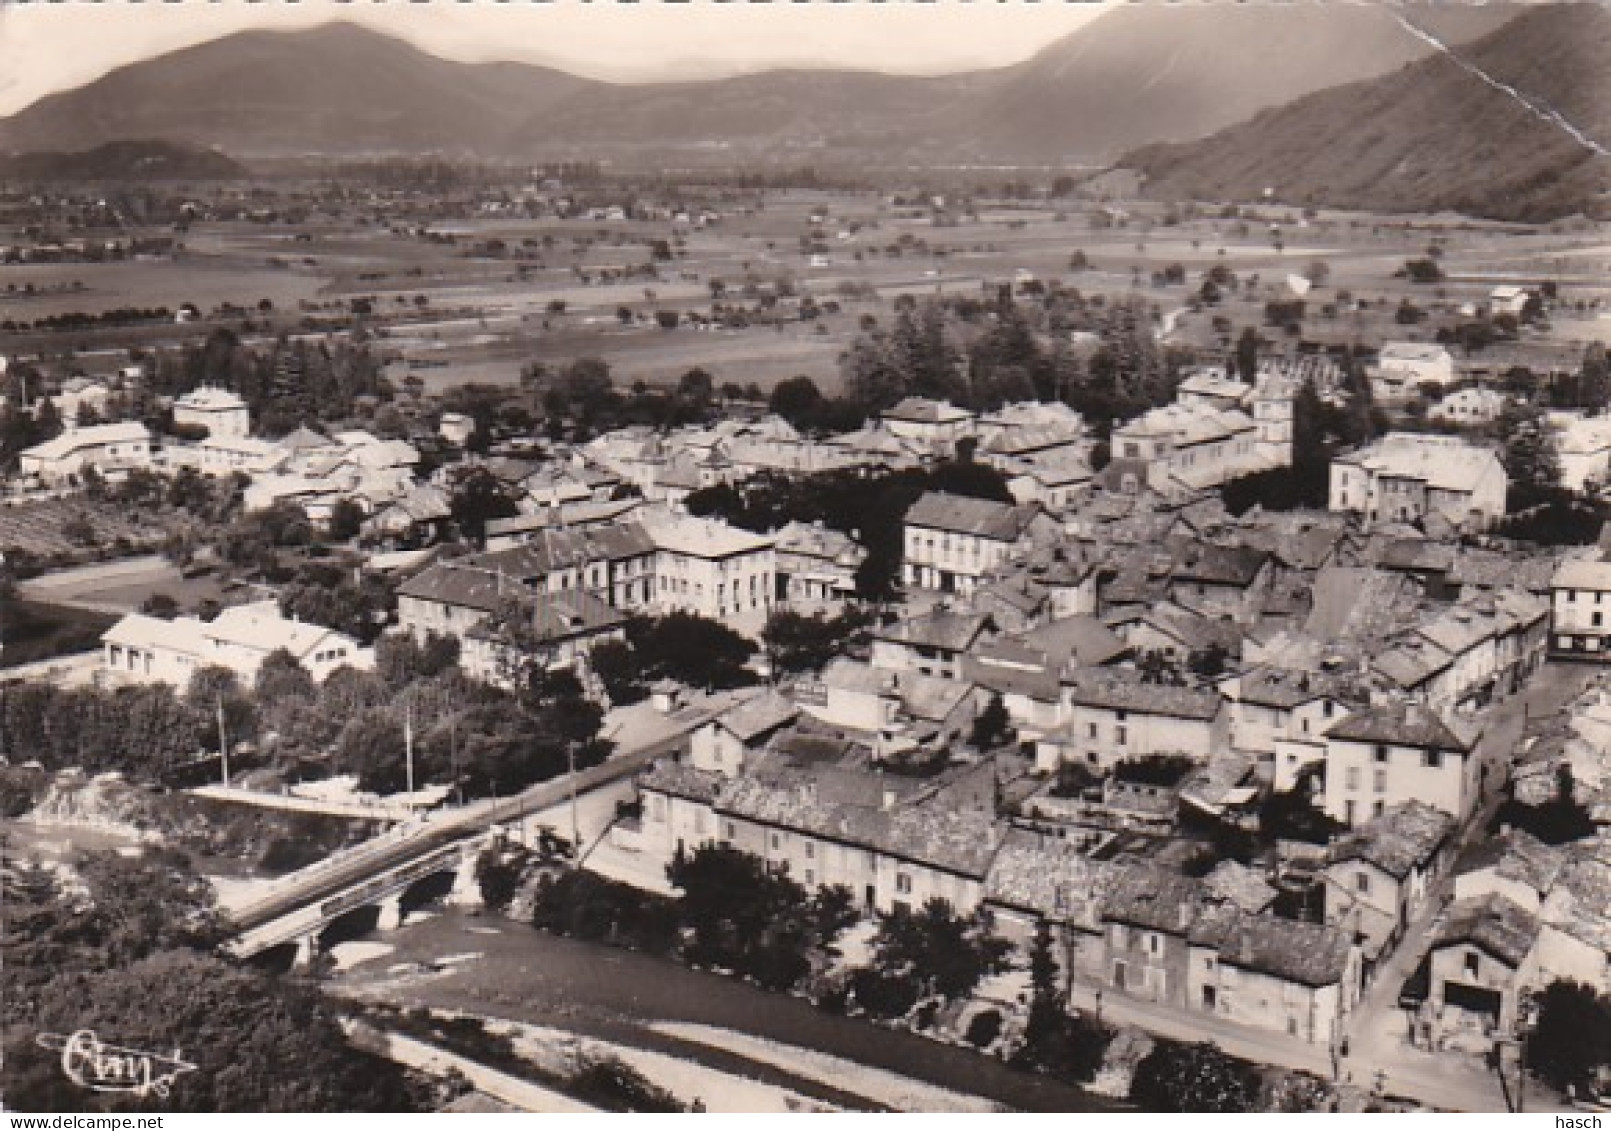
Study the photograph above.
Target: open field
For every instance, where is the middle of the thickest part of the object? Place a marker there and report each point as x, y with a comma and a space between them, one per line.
74, 526
508, 290
148, 284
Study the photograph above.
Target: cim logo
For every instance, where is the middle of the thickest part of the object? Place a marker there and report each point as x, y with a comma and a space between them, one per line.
92, 1063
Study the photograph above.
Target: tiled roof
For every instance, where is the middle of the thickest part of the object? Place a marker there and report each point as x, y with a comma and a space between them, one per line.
1282, 687
569, 615
1219, 565
1476, 568
1305, 953
1243, 887
569, 514
1124, 690
1583, 573
678, 779
983, 518
1195, 631
1151, 897
1049, 876
1517, 855
1187, 425
945, 630
1403, 838
1503, 929
1443, 463
702, 537
75, 439
925, 697
1402, 724
461, 585
935, 834
919, 410
758, 716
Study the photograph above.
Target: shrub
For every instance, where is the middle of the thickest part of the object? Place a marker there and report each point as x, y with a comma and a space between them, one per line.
984, 1028
884, 995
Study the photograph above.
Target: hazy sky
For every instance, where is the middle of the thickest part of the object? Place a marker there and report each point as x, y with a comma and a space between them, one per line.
52, 46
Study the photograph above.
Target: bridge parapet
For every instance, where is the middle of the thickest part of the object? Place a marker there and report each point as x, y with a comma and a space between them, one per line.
385, 889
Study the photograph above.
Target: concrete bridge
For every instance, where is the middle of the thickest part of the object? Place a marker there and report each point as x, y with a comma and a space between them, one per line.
381, 901
374, 885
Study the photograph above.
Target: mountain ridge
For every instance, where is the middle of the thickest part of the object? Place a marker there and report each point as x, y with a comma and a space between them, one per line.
1436, 136
346, 89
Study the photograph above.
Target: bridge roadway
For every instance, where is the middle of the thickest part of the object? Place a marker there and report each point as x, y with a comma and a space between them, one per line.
410, 844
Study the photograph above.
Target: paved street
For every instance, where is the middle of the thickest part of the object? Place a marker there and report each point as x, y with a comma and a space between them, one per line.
1378, 1030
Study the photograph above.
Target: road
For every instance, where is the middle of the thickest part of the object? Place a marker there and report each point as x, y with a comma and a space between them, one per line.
1378, 1029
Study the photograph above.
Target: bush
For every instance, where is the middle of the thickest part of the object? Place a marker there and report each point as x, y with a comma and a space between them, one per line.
614, 1086
1176, 1077
884, 995
286, 854
984, 1028
584, 906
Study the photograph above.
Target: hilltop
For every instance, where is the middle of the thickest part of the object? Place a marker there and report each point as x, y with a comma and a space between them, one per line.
1434, 136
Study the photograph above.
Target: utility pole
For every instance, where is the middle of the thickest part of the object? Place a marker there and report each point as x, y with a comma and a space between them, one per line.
408, 747
576, 824
223, 739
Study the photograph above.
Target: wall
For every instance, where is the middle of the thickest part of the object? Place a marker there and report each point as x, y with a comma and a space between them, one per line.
1354, 774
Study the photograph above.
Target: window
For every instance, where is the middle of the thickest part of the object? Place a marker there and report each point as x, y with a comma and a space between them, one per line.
1432, 759
1353, 777
1471, 964
1091, 730
1381, 781
1362, 883
811, 850
903, 883
1121, 735
731, 831
775, 841
1381, 754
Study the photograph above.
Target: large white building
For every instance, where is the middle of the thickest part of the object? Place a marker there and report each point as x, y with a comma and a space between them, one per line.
1380, 757
936, 425
1405, 477
1182, 448
710, 568
953, 542
219, 411
1403, 367
111, 449
142, 649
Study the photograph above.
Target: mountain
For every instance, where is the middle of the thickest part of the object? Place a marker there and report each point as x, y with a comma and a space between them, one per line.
338, 88
1152, 72
1137, 74
1439, 134
135, 160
